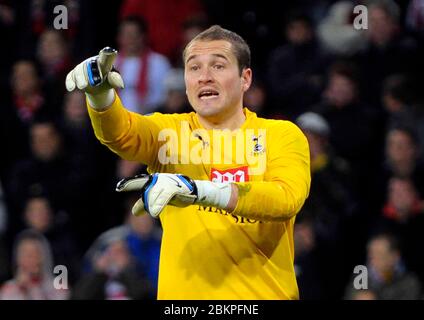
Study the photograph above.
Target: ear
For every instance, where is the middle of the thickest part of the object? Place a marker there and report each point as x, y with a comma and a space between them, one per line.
246, 79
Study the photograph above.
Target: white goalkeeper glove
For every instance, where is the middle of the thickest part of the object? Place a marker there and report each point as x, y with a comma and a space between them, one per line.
160, 189
97, 78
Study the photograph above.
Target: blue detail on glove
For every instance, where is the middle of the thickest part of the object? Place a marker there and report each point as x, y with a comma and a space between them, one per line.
90, 73
184, 180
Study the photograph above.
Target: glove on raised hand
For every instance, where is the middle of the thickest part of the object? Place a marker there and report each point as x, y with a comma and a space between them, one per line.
97, 78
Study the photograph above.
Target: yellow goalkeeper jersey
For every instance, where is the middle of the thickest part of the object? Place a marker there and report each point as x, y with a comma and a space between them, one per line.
208, 253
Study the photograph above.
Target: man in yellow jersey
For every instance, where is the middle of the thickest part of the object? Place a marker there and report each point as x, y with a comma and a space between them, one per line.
225, 184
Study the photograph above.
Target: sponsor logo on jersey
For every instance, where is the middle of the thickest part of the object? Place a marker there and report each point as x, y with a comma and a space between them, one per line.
240, 174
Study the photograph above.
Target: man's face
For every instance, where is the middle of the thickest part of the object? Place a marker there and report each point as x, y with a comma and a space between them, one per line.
380, 257
382, 26
45, 142
340, 91
214, 85
130, 38
317, 143
75, 109
30, 257
51, 47
38, 214
403, 196
298, 32
24, 78
400, 148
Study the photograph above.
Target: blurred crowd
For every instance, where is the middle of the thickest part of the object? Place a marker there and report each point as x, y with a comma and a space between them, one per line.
356, 93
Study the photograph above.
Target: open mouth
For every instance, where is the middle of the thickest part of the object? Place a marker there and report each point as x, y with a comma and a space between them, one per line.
208, 94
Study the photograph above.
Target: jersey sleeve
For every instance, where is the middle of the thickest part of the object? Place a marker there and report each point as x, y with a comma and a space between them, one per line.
130, 135
287, 178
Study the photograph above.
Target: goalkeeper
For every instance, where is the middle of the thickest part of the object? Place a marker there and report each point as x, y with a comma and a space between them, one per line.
225, 184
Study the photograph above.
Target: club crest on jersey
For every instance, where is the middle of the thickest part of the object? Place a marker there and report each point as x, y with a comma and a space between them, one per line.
239, 174
257, 147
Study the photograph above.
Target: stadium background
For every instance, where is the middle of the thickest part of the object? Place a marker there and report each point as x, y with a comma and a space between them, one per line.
357, 94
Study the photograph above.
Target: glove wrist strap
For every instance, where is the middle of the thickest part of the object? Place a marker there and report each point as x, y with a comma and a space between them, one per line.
101, 101
213, 194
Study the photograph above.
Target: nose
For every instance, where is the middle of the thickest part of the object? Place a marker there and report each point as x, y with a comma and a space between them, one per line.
205, 76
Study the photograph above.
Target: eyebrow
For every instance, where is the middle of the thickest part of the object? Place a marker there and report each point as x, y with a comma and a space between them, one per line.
218, 55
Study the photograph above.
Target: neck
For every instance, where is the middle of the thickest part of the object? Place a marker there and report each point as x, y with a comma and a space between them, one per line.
233, 121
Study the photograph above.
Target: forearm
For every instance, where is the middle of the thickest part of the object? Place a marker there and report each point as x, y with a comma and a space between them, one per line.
267, 201
109, 124
127, 134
